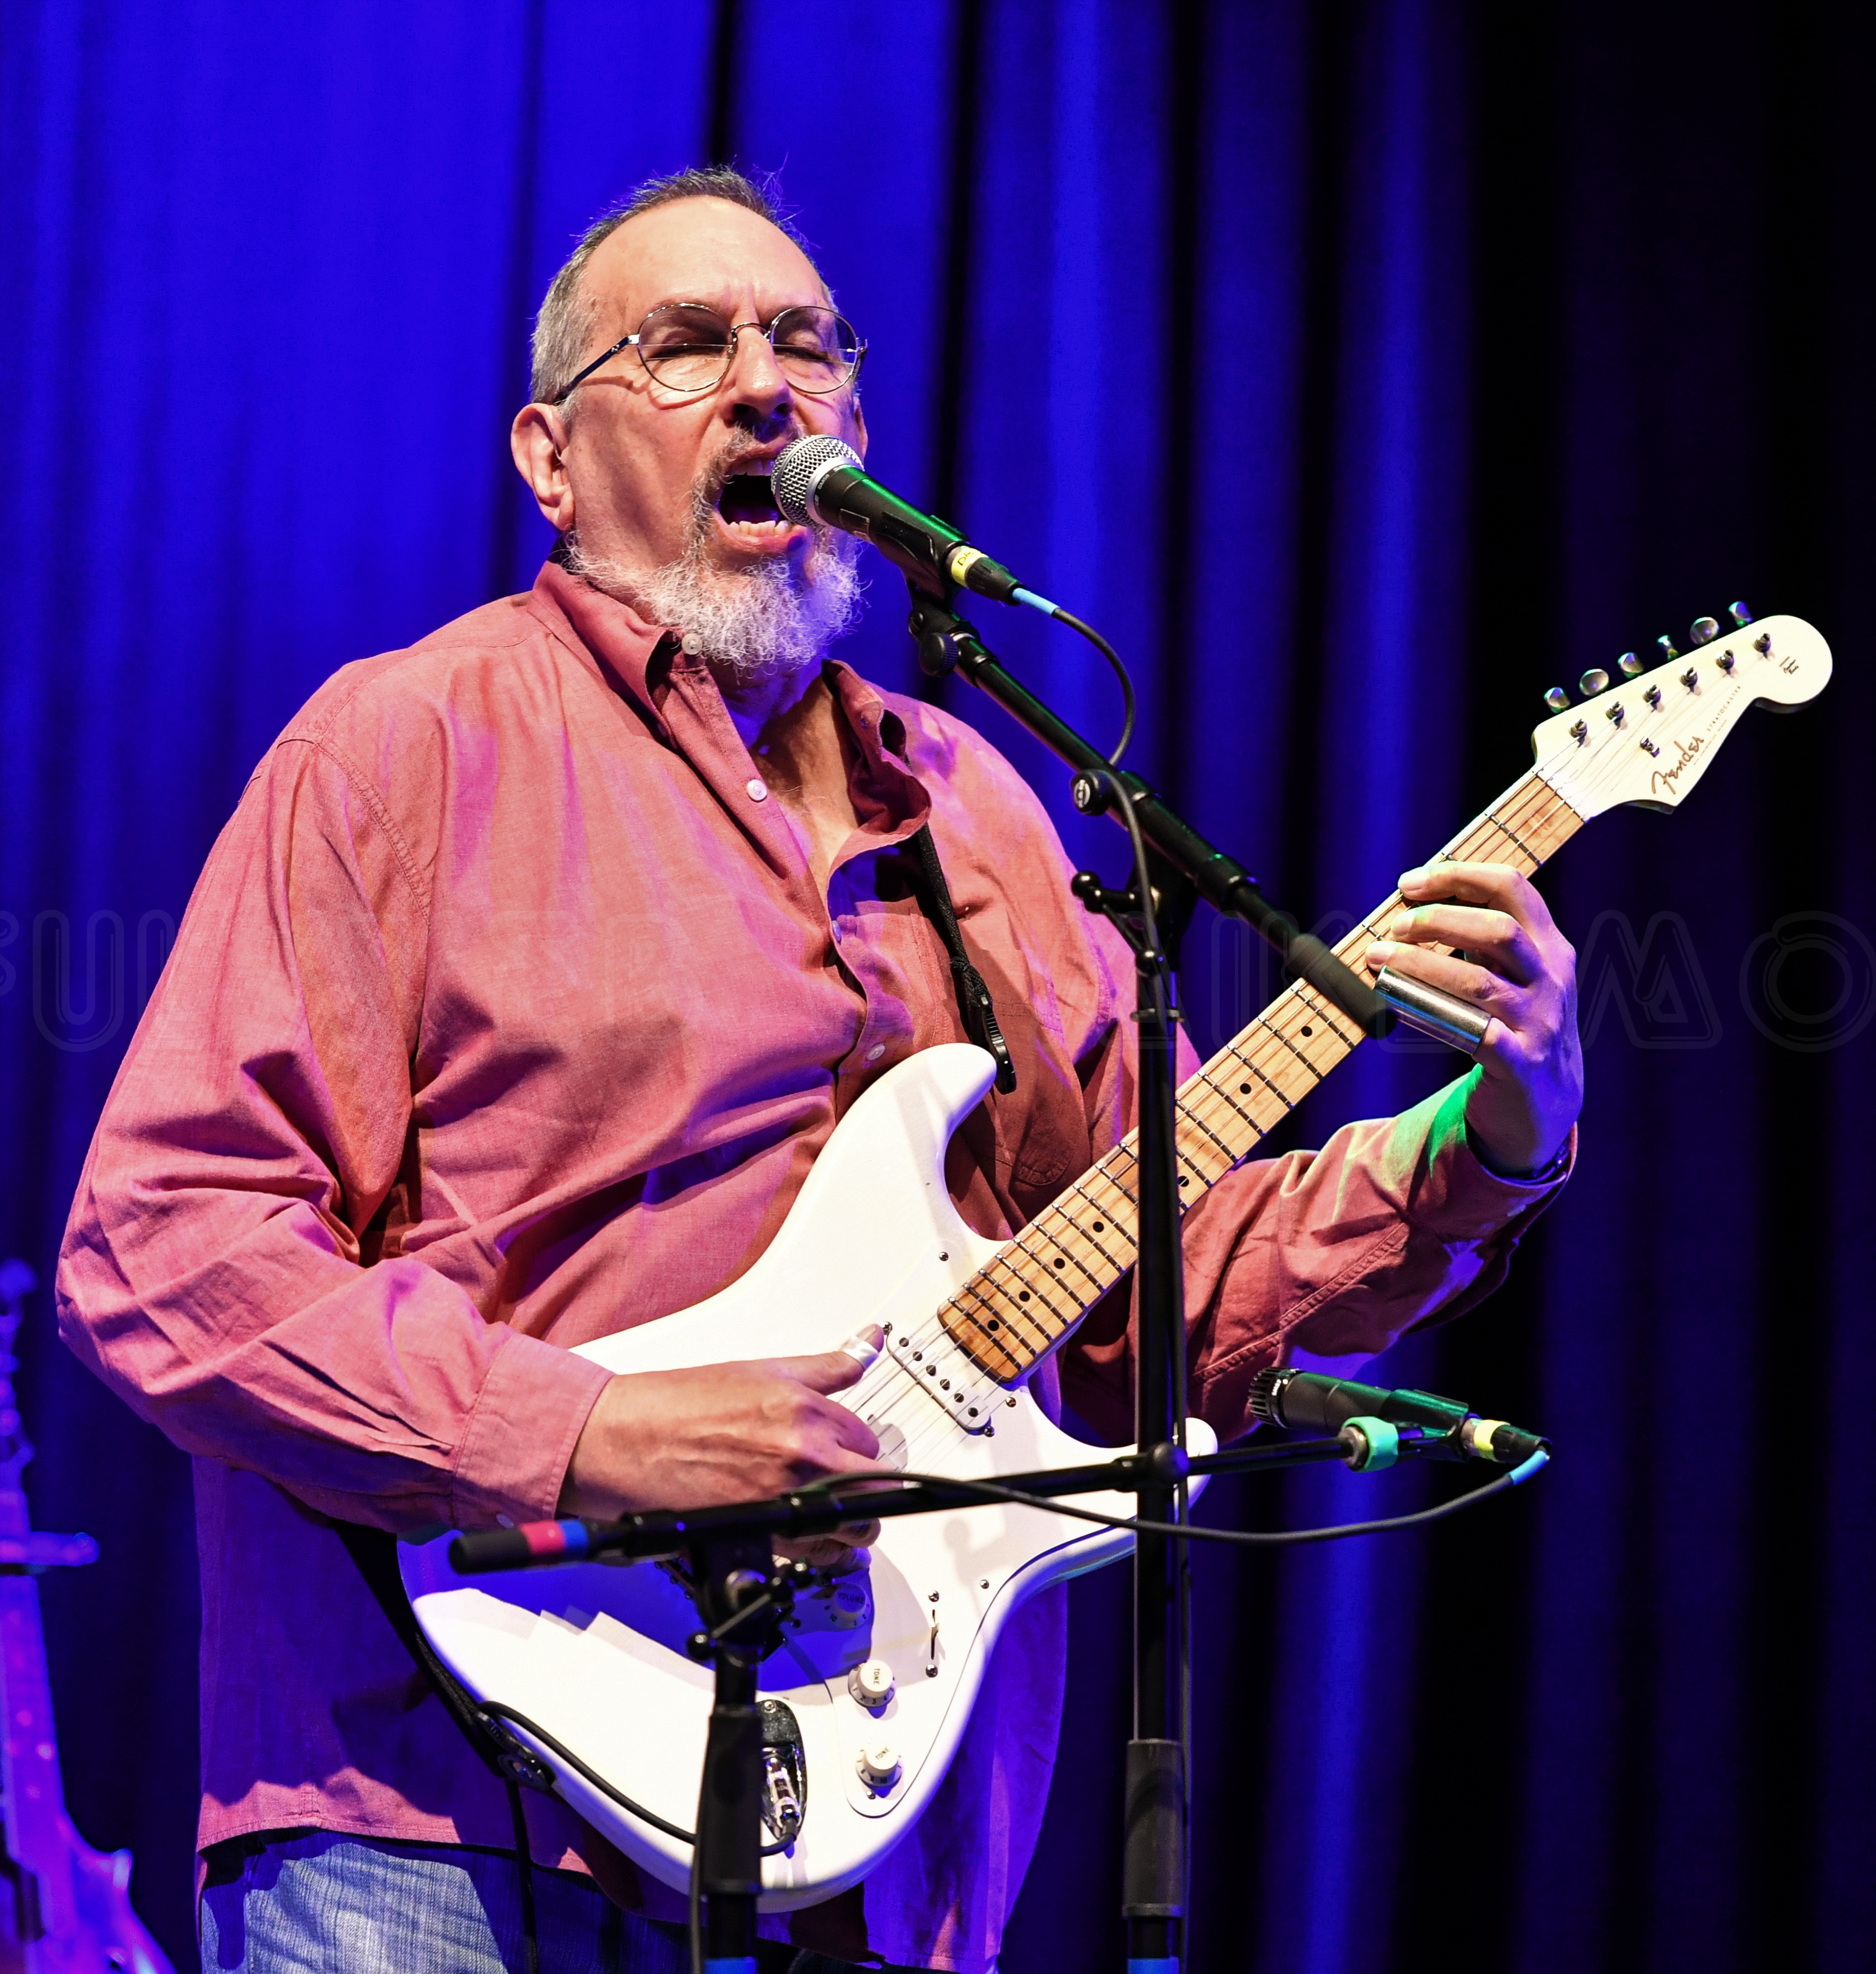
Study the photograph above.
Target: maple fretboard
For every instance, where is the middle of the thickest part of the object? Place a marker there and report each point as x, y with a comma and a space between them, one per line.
1041, 1282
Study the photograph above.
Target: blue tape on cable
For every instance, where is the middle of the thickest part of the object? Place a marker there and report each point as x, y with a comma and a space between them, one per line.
743, 1964
1035, 601
1163, 1964
1523, 1471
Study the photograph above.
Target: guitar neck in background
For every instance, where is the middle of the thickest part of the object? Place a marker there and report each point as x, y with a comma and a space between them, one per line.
1025, 1300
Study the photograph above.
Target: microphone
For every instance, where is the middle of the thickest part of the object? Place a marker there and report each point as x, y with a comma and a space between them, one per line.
819, 478
1306, 1402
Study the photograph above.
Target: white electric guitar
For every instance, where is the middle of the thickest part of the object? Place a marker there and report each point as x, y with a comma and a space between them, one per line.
878, 1675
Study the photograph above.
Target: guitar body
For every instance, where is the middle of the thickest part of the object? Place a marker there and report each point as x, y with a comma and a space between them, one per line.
594, 1652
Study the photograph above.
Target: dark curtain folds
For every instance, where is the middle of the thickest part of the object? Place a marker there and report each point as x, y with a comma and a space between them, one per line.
1361, 371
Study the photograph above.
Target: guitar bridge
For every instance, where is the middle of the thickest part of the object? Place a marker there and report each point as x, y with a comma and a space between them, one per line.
785, 1772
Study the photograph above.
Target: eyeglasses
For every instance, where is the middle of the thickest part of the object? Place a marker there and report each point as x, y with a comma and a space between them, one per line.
686, 347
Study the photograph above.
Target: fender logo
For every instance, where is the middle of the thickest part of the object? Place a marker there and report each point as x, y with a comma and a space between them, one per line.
1665, 778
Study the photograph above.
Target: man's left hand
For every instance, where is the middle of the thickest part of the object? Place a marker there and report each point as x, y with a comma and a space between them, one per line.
1520, 970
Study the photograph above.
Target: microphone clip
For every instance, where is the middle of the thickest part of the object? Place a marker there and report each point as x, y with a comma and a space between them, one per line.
945, 640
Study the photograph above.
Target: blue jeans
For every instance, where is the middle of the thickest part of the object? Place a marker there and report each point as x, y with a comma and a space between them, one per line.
319, 1904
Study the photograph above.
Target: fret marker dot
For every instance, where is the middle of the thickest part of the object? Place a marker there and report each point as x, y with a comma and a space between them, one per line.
994, 1324
1183, 1181
1306, 1031
1100, 1227
1060, 1263
1022, 1295
1244, 1090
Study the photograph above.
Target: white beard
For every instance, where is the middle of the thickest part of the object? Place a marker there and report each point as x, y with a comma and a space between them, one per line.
760, 622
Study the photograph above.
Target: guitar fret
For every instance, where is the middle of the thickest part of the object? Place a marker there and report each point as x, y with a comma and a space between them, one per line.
1100, 1286
1011, 1311
1002, 1257
1270, 1028
1099, 1247
1230, 1102
1235, 1050
1186, 1111
1305, 992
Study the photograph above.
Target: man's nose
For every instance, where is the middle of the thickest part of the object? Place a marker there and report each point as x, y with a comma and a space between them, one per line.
758, 390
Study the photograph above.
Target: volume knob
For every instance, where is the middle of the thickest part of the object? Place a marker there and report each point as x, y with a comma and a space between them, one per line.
1594, 680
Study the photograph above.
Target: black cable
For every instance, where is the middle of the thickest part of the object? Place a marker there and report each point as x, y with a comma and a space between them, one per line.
1113, 656
524, 1862
1243, 1538
562, 1752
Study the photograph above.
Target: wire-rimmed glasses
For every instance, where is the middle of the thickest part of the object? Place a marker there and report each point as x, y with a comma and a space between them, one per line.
689, 346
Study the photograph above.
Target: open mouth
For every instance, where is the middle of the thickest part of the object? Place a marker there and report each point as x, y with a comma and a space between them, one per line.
748, 507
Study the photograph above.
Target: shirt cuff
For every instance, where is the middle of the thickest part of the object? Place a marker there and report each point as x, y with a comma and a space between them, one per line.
1458, 1196
529, 1414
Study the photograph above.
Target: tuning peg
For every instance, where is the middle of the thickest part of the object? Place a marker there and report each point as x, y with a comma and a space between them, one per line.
1703, 629
1630, 664
1740, 616
1666, 646
1557, 699
1594, 680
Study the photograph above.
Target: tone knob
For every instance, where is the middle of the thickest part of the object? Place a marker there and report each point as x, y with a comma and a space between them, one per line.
878, 1764
1666, 646
1740, 616
870, 1683
1630, 664
1557, 699
1594, 680
1703, 629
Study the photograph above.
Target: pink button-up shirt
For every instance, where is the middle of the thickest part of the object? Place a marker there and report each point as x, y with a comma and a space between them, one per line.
507, 1015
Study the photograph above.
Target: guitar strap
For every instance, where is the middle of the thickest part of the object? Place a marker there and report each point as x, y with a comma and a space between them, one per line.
974, 1001
375, 1552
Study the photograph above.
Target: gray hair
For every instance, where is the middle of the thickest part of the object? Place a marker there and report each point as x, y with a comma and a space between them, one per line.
566, 320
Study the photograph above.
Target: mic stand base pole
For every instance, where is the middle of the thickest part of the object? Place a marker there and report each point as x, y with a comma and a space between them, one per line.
1153, 1872
729, 1575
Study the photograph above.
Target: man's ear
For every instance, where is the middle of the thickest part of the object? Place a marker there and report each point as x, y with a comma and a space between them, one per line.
537, 440
859, 419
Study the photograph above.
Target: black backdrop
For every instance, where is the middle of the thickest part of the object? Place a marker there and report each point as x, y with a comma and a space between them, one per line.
1363, 369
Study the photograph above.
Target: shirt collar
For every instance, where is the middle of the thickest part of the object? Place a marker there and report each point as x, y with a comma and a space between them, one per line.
634, 655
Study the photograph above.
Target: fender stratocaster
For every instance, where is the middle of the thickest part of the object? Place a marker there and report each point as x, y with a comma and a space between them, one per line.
878, 1674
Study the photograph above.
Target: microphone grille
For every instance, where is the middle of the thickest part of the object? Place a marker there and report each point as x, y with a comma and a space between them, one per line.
799, 468
1267, 1395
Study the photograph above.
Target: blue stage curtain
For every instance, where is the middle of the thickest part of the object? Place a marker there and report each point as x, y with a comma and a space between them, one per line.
1362, 370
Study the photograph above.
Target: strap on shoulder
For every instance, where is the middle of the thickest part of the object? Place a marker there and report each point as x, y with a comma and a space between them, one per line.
974, 1001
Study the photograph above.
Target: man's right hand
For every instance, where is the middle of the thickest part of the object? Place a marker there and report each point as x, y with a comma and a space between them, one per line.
720, 1432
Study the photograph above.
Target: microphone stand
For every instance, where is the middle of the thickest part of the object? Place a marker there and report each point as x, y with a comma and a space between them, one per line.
1181, 868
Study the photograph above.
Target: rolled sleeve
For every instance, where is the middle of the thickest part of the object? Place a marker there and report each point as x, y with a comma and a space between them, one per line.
231, 1265
1331, 1254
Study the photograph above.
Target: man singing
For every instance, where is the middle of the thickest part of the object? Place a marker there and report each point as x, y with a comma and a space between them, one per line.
531, 973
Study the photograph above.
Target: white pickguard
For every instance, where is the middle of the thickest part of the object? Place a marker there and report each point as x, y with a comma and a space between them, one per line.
594, 1652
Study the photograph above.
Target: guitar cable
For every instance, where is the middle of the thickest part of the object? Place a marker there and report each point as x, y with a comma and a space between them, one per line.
990, 1491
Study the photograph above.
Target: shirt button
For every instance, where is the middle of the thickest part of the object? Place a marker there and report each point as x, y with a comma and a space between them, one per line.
690, 640
758, 790
876, 1051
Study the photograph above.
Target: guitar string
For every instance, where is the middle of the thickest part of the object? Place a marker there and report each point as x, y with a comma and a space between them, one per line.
1520, 812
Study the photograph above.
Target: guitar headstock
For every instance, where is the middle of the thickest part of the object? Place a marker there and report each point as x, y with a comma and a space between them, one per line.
1648, 738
